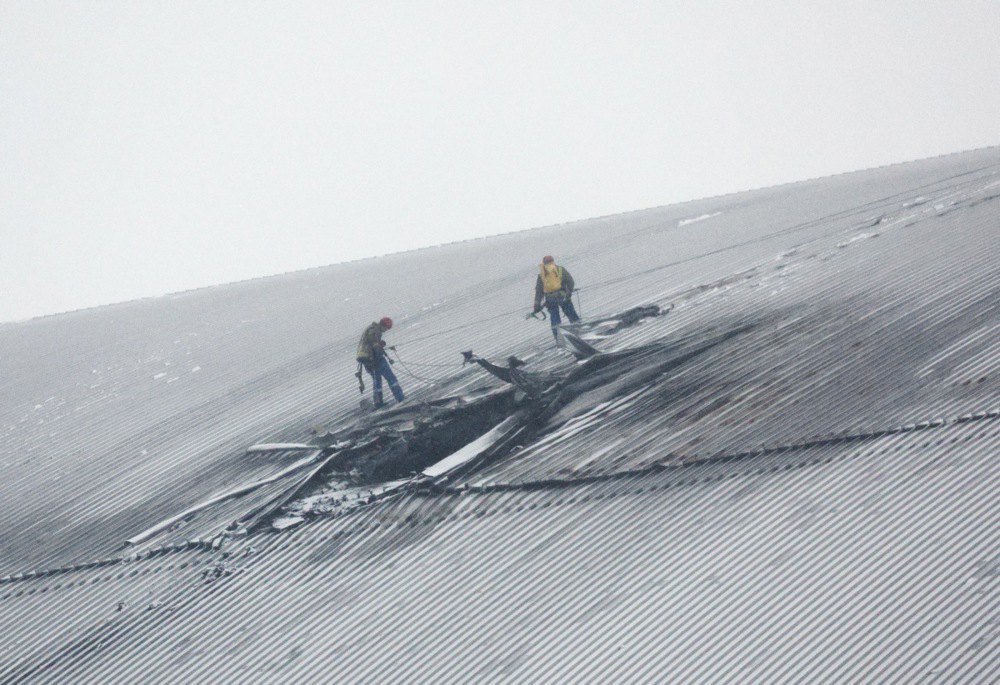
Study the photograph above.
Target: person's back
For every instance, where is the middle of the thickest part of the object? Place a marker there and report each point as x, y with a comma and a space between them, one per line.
371, 340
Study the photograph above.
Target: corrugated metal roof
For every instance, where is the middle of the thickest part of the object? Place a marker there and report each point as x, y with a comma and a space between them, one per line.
804, 491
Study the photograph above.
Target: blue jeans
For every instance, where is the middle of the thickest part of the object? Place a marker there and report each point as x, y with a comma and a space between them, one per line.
379, 369
554, 303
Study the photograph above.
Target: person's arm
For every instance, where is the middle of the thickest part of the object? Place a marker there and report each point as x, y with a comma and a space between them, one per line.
567, 281
373, 335
539, 293
378, 345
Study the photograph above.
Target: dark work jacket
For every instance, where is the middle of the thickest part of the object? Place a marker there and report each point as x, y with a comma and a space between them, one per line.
370, 347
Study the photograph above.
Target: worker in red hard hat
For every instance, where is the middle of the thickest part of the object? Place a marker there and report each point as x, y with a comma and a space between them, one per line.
554, 287
371, 355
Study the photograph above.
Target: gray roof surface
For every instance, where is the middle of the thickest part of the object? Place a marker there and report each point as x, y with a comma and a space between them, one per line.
802, 489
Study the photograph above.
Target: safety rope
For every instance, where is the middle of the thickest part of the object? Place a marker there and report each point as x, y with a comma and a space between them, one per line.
425, 364
460, 327
407, 370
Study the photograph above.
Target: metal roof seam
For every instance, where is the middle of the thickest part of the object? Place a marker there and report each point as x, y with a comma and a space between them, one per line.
411, 519
922, 425
721, 458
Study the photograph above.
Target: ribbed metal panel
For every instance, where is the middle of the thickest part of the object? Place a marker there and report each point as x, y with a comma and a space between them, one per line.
805, 493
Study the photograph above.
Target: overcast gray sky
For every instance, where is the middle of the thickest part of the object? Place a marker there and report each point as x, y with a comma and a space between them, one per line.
150, 147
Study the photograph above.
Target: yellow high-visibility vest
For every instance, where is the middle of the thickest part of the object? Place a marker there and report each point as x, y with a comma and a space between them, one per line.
551, 277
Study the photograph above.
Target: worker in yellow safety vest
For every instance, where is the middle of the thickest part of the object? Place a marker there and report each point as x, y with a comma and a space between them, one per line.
554, 288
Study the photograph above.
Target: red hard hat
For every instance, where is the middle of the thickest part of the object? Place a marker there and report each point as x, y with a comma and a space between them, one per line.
547, 259
386, 322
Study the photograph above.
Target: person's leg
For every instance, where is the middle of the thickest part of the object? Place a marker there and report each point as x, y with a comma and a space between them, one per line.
553, 307
567, 306
554, 318
376, 371
386, 370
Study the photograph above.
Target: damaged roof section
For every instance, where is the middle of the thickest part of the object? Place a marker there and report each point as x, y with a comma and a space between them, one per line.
382, 454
